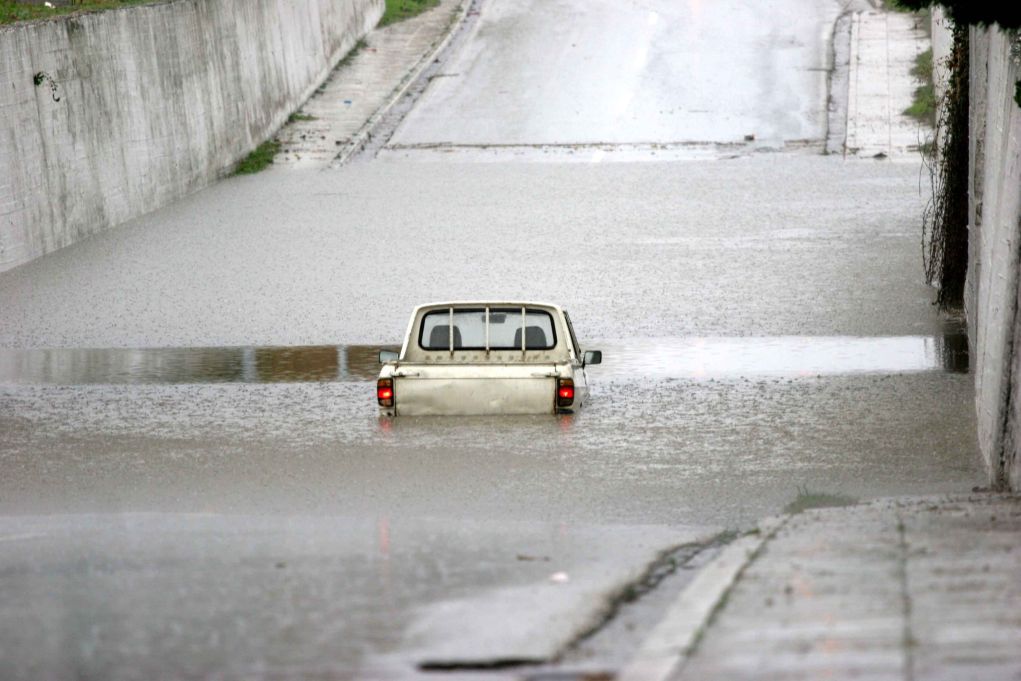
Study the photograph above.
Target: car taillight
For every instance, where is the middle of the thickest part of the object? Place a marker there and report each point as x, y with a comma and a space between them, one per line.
565, 392
385, 392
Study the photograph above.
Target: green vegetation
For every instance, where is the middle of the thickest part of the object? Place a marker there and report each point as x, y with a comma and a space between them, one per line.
299, 116
399, 10
895, 6
923, 108
258, 160
22, 11
359, 46
806, 500
922, 70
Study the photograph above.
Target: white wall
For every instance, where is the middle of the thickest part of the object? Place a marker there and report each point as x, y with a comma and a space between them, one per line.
155, 102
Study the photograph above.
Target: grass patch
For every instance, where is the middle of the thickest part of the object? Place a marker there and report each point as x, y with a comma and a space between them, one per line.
922, 70
894, 6
399, 10
359, 46
923, 108
258, 160
806, 500
298, 116
11, 12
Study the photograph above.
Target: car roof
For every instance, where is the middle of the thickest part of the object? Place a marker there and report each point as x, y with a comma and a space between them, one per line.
486, 303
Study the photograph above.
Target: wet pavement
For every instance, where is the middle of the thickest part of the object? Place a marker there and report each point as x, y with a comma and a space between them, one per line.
908, 588
649, 73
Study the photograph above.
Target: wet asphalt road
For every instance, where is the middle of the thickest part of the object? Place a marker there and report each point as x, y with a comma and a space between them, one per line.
260, 529
626, 73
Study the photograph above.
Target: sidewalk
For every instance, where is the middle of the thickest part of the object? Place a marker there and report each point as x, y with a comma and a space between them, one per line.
914, 588
876, 73
343, 110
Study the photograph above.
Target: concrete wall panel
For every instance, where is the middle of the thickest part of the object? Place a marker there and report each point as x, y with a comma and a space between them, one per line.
978, 60
996, 225
151, 103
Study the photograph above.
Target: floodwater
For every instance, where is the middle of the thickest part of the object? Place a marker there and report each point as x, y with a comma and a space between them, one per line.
705, 358
159, 432
192, 457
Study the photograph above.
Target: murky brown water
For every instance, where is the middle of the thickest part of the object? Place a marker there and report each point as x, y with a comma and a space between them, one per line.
660, 357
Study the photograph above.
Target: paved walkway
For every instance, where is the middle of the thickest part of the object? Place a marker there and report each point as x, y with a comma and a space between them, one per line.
883, 48
917, 588
364, 84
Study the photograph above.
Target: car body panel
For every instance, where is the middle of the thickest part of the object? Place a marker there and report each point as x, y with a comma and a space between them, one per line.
455, 380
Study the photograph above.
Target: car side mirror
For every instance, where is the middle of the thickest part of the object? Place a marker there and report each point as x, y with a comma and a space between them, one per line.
593, 357
388, 356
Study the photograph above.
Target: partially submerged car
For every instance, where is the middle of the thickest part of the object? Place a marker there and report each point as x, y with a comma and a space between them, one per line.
470, 358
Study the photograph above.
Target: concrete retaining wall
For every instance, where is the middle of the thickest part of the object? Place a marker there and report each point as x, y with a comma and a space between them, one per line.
993, 292
942, 45
109, 115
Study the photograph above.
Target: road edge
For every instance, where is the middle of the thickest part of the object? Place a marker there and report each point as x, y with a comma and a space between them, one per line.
665, 650
364, 134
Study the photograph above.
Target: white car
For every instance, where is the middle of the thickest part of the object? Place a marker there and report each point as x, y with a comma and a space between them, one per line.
492, 357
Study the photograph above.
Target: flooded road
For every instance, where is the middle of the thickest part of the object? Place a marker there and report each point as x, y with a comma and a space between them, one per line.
142, 516
657, 358
192, 459
649, 250
705, 358
157, 429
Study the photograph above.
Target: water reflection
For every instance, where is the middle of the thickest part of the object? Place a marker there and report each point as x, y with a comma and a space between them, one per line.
951, 351
706, 358
655, 357
192, 365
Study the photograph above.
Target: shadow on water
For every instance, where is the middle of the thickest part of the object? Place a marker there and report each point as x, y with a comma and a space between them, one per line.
690, 358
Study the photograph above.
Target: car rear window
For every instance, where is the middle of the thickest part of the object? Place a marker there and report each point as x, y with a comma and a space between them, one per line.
508, 328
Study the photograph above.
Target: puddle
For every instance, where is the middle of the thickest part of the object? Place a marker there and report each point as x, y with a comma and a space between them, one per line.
698, 358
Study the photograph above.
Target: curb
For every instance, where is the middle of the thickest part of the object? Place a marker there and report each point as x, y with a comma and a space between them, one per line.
363, 135
665, 650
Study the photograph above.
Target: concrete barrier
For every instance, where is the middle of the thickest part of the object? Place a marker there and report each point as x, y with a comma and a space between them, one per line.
992, 292
941, 31
105, 116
